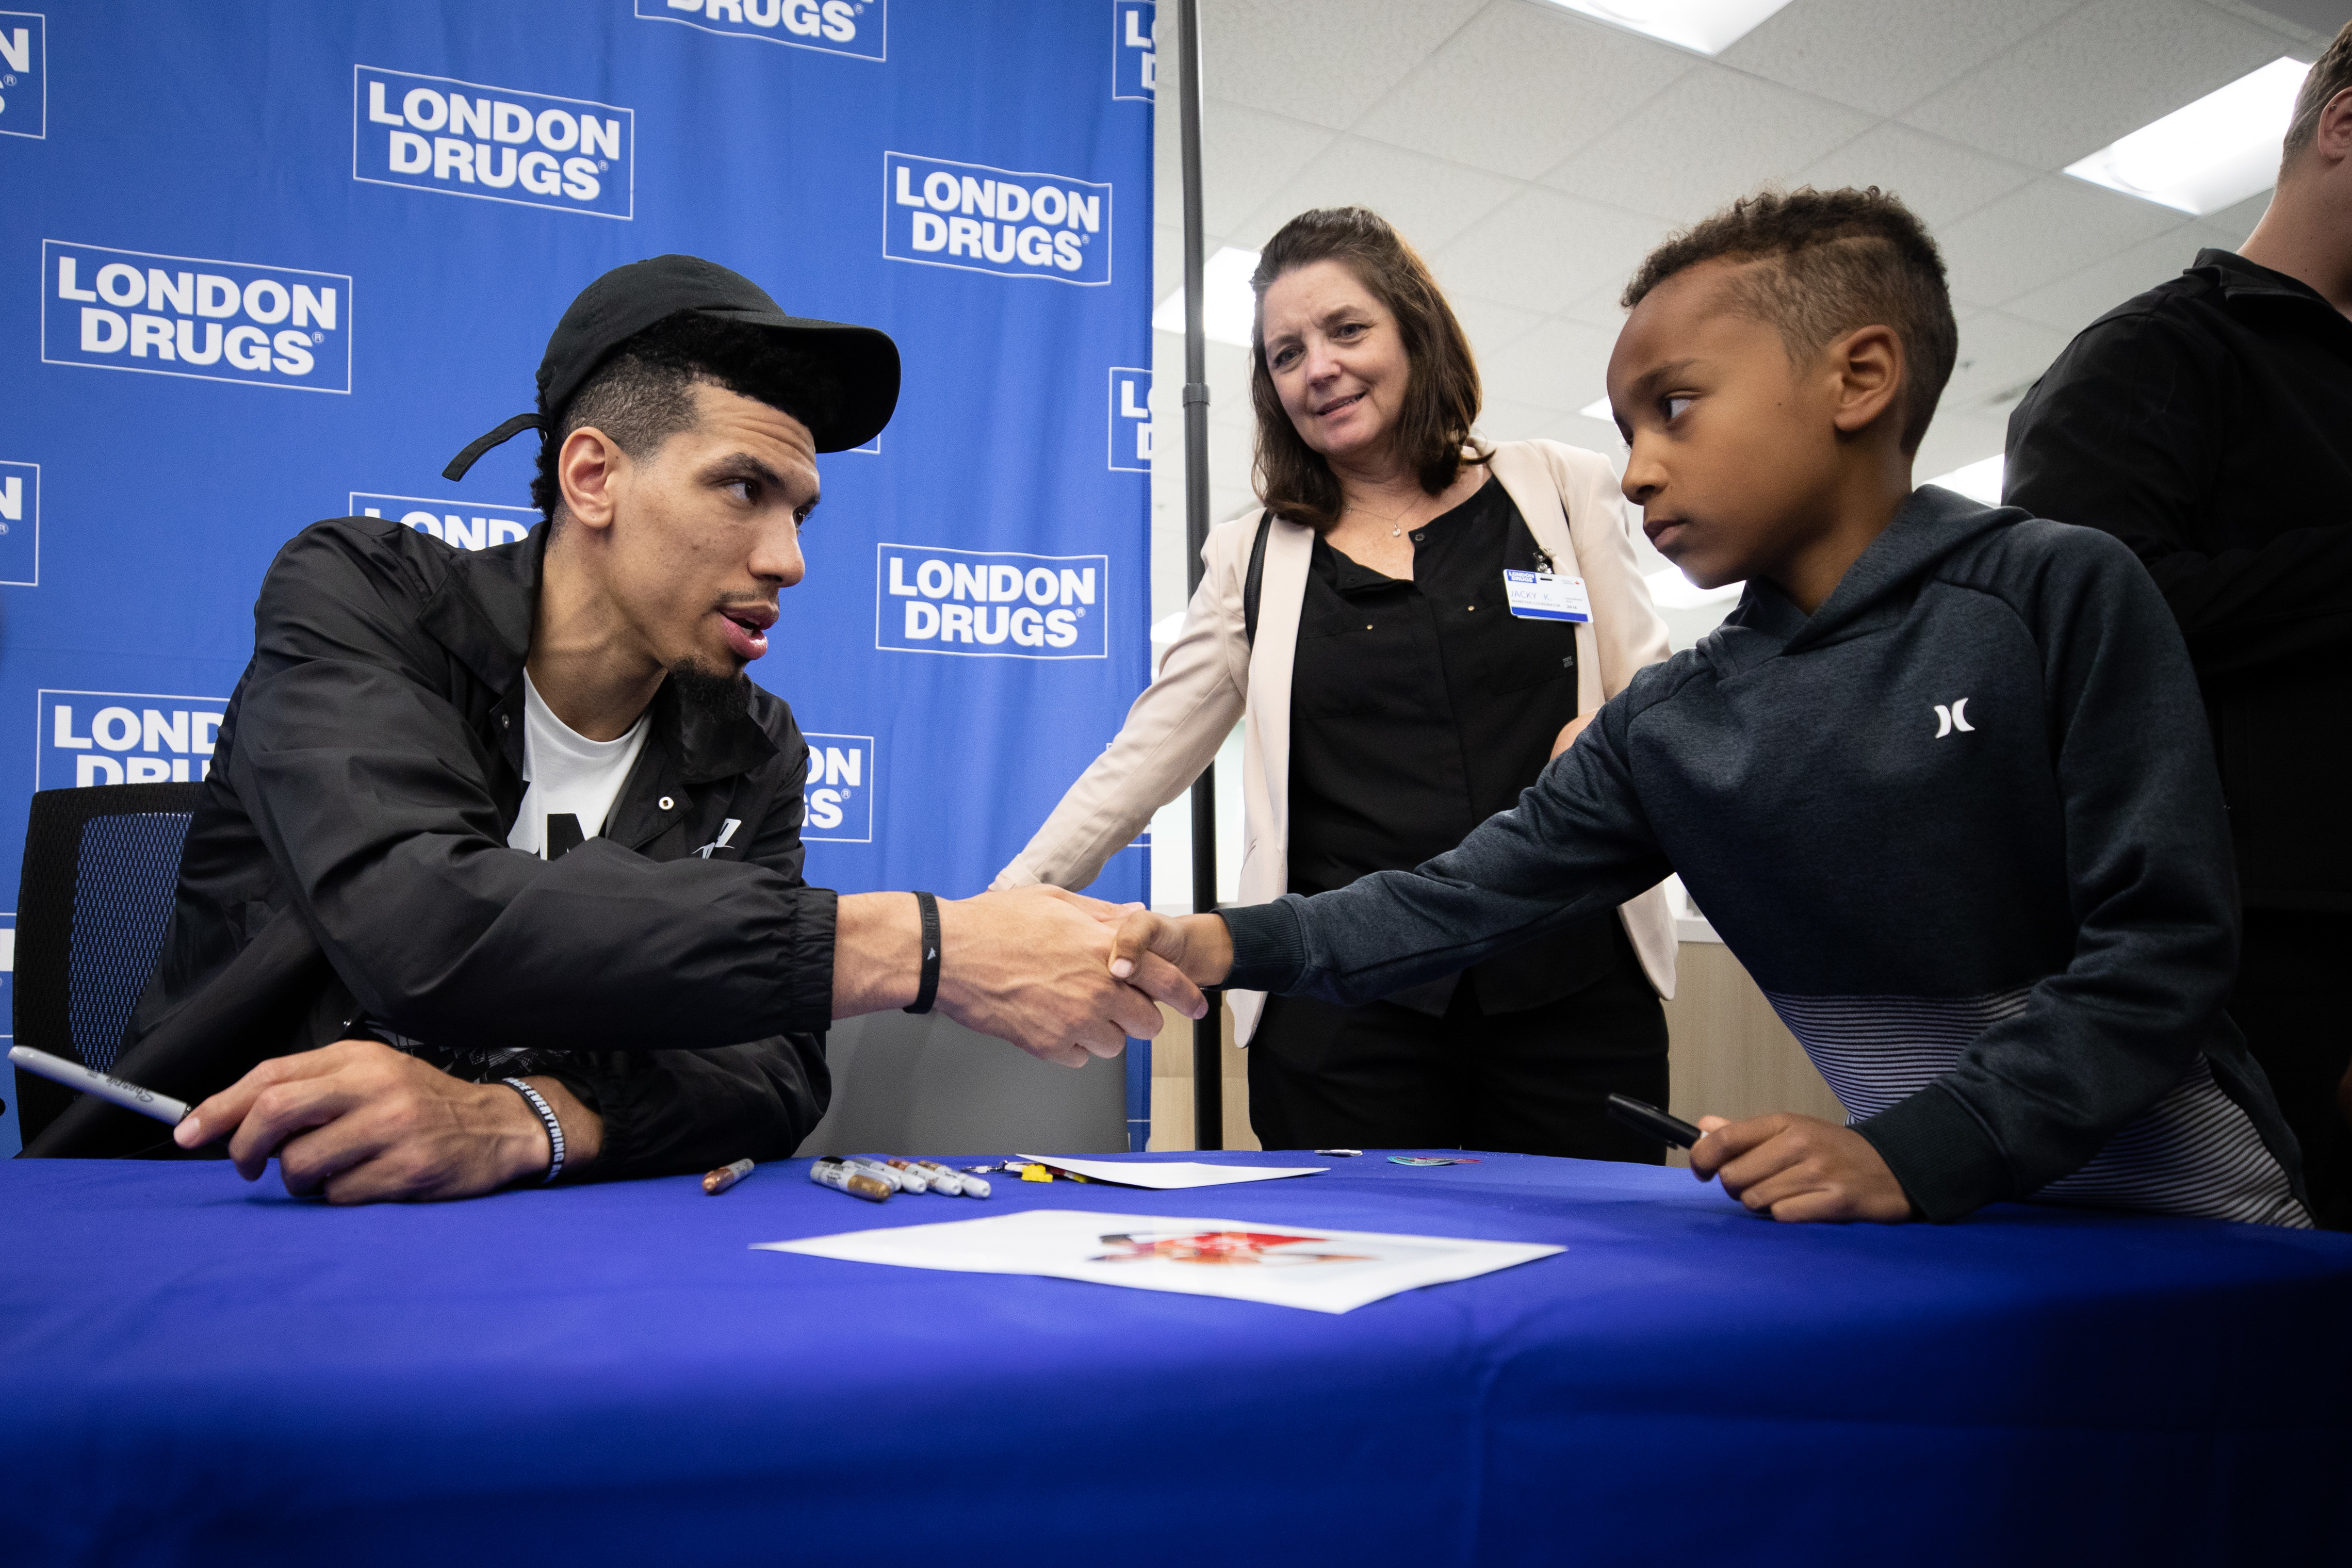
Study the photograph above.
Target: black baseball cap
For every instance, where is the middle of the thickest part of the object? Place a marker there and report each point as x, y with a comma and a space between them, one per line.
627, 299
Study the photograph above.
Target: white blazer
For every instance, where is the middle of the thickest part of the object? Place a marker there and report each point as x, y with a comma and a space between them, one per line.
1208, 680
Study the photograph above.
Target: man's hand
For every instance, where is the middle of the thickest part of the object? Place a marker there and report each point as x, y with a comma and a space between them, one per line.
1032, 965
1568, 733
359, 1122
1798, 1168
1201, 946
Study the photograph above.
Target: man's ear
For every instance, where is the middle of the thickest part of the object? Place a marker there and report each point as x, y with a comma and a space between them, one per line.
2331, 139
591, 467
1868, 365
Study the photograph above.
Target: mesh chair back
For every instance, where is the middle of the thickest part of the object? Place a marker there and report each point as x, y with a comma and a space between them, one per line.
101, 868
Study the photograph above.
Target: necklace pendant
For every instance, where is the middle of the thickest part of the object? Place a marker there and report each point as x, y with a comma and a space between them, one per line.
1396, 532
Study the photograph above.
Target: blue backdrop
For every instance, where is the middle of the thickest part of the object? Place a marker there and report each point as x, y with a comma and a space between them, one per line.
270, 262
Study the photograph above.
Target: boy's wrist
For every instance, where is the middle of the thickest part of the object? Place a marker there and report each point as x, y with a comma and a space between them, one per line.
1947, 1164
1268, 946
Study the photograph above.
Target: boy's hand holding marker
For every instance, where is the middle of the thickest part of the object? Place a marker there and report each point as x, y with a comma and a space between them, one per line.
1798, 1168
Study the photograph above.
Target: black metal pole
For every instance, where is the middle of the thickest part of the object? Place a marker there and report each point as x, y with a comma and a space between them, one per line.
1208, 1033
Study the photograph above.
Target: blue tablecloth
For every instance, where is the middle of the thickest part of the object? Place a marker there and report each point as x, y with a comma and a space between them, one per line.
192, 1369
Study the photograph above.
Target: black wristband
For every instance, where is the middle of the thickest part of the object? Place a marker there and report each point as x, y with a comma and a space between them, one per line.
538, 1102
929, 986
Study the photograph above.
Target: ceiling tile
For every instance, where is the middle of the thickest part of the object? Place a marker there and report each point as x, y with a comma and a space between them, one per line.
1883, 57
1520, 88
2231, 226
1321, 60
2000, 355
1592, 435
1542, 249
1957, 438
1168, 253
1502, 420
1491, 327
1936, 179
1246, 154
2042, 233
2319, 18
2076, 301
1600, 308
2100, 72
1429, 200
1713, 135
1561, 367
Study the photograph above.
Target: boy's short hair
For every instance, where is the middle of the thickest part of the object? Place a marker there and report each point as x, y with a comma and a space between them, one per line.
2330, 74
1837, 260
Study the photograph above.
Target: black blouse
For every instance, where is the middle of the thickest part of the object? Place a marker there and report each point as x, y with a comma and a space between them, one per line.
1420, 709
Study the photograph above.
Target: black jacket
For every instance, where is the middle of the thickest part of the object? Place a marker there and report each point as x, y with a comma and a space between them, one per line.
347, 872
1960, 825
2207, 425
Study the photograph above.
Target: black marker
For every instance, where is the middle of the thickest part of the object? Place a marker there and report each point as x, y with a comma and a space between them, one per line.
1642, 1117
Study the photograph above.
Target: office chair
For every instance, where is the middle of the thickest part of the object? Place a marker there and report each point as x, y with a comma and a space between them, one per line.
101, 866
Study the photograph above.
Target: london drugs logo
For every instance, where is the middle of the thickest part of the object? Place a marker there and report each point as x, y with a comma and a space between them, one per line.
1130, 420
502, 145
1134, 57
860, 27
838, 794
468, 525
24, 74
983, 604
122, 737
995, 220
188, 315
20, 524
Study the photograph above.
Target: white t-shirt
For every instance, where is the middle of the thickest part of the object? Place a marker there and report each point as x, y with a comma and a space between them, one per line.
567, 772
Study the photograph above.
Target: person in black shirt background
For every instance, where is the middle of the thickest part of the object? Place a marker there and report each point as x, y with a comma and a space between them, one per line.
2208, 424
1392, 700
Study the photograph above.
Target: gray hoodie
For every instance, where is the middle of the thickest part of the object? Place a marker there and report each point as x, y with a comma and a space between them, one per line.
1962, 824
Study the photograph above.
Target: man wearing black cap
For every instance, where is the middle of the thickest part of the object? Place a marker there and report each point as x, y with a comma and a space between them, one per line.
497, 877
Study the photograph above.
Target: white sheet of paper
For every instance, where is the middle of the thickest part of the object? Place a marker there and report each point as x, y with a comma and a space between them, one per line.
1169, 1175
1246, 1260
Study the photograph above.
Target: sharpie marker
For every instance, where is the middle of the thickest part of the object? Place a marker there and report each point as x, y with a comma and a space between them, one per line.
73, 1075
1644, 1117
882, 1170
843, 1177
969, 1185
938, 1179
726, 1176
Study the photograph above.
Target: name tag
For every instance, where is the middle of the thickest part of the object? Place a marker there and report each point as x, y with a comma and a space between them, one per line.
1540, 597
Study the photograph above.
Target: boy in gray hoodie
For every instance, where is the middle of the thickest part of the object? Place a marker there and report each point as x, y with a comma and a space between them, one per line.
1942, 781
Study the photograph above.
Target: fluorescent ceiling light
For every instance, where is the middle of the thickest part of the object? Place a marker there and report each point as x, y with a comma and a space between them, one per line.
1980, 480
1710, 26
2213, 153
1598, 409
1670, 590
1228, 309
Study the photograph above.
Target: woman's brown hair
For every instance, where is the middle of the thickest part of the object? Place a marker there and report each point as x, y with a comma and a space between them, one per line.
1440, 398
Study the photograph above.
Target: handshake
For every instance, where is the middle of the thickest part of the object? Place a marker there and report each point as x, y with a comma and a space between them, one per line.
1061, 976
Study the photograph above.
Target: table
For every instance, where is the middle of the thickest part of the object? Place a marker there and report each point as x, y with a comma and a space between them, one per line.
192, 1369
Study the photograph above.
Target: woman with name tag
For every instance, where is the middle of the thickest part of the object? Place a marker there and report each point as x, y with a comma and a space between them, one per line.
1415, 625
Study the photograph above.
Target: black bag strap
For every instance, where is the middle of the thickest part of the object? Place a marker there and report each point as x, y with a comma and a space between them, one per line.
1253, 584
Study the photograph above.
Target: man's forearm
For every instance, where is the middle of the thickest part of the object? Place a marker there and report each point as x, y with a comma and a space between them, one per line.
877, 962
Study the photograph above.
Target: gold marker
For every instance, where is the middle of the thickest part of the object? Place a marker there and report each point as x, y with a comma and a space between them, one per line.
726, 1176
